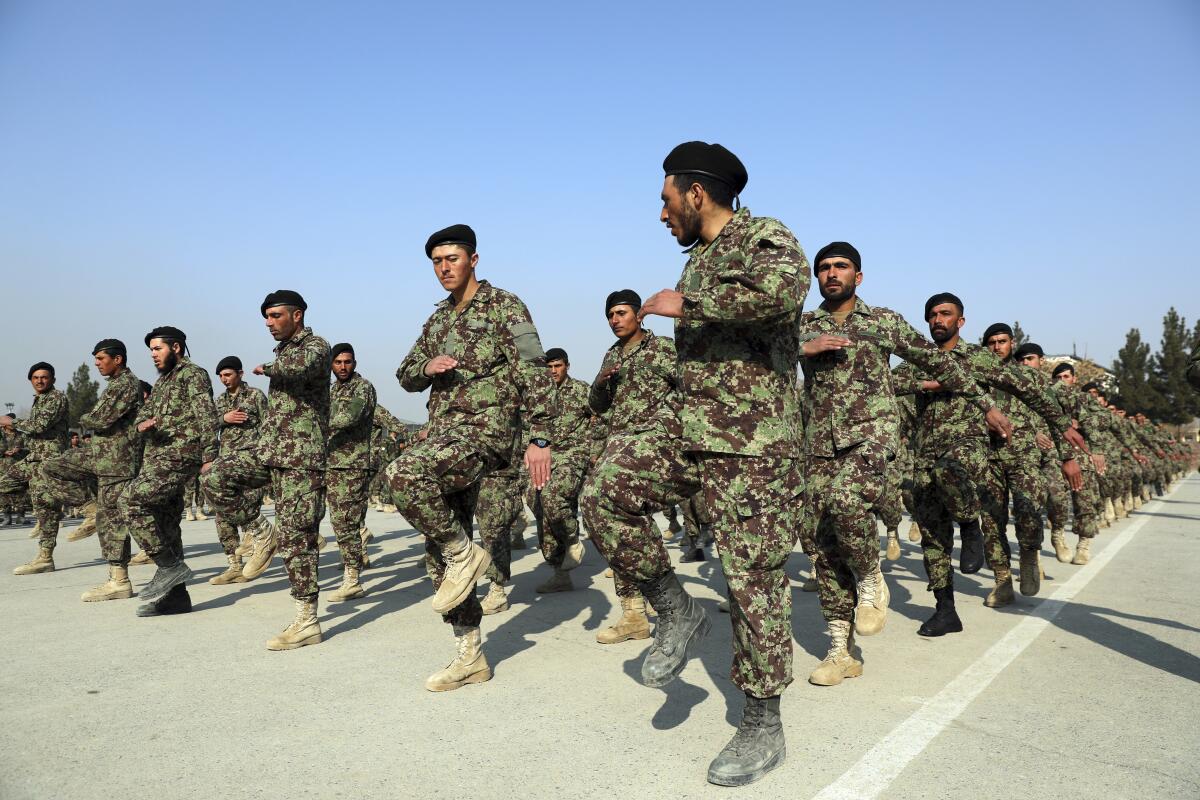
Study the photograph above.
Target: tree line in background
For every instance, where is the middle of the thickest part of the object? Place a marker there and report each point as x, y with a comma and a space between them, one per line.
1155, 384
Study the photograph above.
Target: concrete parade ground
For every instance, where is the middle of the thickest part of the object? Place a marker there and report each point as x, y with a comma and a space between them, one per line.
1090, 690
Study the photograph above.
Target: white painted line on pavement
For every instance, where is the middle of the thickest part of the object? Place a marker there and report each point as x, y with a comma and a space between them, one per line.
880, 765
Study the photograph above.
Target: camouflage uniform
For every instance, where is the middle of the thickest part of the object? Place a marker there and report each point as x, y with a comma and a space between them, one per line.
737, 438
1086, 503
385, 446
851, 433
473, 418
45, 435
898, 485
183, 440
290, 457
234, 438
556, 505
497, 507
351, 464
12, 450
104, 466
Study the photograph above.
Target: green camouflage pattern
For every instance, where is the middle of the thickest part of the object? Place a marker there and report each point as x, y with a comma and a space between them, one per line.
45, 429
643, 394
242, 435
116, 446
296, 428
351, 419
186, 430
346, 491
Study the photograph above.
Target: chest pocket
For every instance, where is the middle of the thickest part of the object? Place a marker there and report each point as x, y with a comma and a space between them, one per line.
479, 352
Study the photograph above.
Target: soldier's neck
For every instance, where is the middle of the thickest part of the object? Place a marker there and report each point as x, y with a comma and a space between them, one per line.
633, 338
950, 343
464, 295
714, 224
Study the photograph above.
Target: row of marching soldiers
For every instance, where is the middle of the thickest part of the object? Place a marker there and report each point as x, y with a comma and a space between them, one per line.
712, 416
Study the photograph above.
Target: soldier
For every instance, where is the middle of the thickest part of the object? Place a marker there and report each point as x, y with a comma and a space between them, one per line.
1058, 493
178, 424
105, 466
12, 450
241, 409
388, 437
556, 505
351, 465
736, 308
193, 502
290, 457
849, 438
1086, 501
45, 436
480, 357
497, 509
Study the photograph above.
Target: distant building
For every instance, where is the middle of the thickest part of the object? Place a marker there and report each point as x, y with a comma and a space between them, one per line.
1085, 369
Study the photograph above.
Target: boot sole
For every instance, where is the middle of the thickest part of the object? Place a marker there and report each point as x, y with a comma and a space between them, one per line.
855, 672
741, 780
487, 612
316, 638
998, 604
354, 596
625, 638
124, 594
79, 537
449, 604
19, 571
694, 638
218, 582
478, 677
934, 635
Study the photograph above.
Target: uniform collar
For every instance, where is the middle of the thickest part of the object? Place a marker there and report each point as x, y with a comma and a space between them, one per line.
859, 308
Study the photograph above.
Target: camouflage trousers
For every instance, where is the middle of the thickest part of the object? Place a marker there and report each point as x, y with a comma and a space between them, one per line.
346, 495
152, 505
944, 492
435, 485
25, 475
838, 531
897, 490
1058, 493
754, 502
496, 510
192, 496
1086, 503
1019, 479
234, 486
70, 479
556, 505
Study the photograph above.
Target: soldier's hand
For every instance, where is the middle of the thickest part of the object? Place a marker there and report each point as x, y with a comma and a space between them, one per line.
205, 467
931, 386
998, 423
665, 303
824, 343
1100, 463
1044, 441
537, 461
439, 364
1076, 438
236, 417
258, 370
147, 425
1073, 474
608, 374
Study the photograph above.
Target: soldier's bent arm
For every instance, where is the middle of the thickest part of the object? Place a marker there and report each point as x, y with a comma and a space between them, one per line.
354, 410
411, 373
770, 283
1023, 383
300, 364
120, 397
44, 415
600, 396
947, 370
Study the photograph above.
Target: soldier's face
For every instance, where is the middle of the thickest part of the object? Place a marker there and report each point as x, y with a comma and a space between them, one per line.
944, 322
558, 370
1001, 345
107, 365
41, 381
453, 267
837, 278
74, 440
1067, 378
623, 321
283, 322
680, 214
343, 366
1032, 360
230, 378
163, 355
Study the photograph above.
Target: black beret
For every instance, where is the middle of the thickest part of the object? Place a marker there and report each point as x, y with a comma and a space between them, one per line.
283, 297
146, 387
995, 329
940, 298
339, 348
228, 362
40, 365
710, 160
1029, 348
113, 347
1061, 368
836, 250
166, 332
557, 354
622, 297
455, 234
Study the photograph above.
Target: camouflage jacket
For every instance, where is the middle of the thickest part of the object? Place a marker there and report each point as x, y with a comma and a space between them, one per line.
644, 392
738, 339
572, 428
116, 445
1026, 422
45, 430
501, 368
243, 436
182, 404
351, 418
294, 434
849, 391
11, 440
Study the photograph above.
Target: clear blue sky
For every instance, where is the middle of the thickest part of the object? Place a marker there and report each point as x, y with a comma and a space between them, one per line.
171, 163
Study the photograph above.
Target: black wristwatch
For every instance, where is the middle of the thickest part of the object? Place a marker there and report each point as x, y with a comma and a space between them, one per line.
540, 442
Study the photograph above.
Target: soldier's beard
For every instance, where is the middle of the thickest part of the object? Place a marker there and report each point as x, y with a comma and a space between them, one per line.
940, 334
689, 226
169, 364
843, 293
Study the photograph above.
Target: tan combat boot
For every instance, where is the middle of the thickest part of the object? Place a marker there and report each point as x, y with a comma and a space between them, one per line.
43, 563
810, 584
1110, 511
469, 666
1082, 554
608, 573
839, 662
200, 515
268, 501
389, 508
893, 546
873, 596
1031, 572
465, 564
1002, 594
496, 600
191, 515
303, 631
914, 531
1058, 542
350, 588
365, 535
37, 530
247, 545
231, 575
574, 555
88, 526
141, 558
1137, 501
560, 581
1119, 507
118, 587
266, 542
321, 542
379, 506
633, 624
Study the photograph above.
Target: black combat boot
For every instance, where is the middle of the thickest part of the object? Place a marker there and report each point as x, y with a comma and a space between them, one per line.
171, 572
682, 623
1158, 489
970, 555
175, 601
945, 618
756, 748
